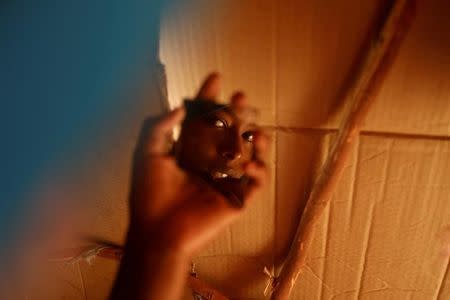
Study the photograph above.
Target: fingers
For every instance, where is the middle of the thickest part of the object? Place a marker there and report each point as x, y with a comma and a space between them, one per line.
240, 107
260, 144
158, 138
210, 87
256, 170
257, 178
238, 104
238, 100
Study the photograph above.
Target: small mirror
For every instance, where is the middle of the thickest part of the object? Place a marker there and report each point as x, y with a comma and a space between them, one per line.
215, 143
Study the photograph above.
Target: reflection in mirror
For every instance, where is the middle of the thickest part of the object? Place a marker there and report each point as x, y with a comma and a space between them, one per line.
215, 144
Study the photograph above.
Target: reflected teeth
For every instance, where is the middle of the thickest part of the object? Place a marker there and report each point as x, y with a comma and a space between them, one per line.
217, 175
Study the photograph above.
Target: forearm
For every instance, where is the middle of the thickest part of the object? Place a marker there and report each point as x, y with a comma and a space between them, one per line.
150, 271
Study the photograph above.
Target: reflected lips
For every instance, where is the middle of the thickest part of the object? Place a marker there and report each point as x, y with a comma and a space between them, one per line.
232, 188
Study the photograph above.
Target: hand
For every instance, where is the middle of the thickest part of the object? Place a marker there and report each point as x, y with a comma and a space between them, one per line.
179, 209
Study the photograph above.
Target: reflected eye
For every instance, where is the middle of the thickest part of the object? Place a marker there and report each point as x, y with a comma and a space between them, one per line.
248, 136
219, 123
215, 122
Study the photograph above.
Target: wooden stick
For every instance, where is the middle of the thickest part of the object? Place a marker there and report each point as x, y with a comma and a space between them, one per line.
361, 93
198, 286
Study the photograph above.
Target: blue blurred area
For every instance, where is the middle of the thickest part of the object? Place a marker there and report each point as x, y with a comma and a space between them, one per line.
62, 64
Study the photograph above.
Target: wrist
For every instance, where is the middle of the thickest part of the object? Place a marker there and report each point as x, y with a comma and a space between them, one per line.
155, 243
150, 269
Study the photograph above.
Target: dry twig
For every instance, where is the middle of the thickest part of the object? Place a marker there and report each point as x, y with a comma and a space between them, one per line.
361, 93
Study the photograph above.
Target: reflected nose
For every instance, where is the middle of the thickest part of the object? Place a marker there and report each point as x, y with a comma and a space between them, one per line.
231, 155
232, 147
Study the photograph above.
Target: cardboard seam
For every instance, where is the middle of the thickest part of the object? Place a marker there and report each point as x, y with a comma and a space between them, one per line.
323, 130
402, 135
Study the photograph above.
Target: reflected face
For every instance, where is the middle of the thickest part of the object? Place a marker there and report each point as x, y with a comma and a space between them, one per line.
215, 145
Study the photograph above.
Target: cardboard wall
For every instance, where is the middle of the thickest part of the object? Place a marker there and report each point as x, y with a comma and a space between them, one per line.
379, 238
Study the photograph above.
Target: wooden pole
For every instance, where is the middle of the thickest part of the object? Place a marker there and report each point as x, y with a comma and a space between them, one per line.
361, 93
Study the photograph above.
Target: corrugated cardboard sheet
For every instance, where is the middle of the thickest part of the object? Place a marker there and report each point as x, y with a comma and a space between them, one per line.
380, 238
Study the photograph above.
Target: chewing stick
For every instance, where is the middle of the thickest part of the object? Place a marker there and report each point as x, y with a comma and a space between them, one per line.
361, 93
